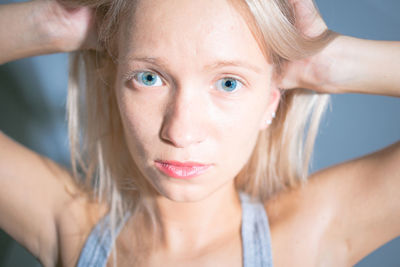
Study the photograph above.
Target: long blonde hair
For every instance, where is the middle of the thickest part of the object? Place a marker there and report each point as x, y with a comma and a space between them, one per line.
100, 160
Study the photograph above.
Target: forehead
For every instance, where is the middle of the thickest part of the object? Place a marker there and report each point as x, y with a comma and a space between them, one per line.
206, 30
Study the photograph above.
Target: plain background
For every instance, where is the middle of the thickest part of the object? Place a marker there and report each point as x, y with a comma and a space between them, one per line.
33, 93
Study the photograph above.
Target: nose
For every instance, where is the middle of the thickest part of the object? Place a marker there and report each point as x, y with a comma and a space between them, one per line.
183, 123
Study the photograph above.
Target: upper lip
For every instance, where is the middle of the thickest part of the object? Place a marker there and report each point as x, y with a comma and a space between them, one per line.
182, 164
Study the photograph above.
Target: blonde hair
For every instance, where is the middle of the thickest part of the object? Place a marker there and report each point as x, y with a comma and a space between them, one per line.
100, 160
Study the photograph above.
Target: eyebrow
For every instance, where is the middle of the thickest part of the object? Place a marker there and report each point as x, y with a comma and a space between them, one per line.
215, 65
233, 63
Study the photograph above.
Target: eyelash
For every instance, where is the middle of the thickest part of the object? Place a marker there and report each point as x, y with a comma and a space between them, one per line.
237, 82
136, 74
138, 77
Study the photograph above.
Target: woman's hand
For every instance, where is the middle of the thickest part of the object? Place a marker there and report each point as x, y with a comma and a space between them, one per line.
72, 27
313, 72
43, 27
346, 64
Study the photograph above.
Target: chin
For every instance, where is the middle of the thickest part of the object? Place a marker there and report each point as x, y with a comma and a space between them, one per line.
184, 193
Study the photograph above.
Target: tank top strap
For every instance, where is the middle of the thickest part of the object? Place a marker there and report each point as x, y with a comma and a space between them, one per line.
99, 243
256, 240
256, 237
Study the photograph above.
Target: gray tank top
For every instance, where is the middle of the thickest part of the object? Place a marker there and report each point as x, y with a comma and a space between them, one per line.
256, 240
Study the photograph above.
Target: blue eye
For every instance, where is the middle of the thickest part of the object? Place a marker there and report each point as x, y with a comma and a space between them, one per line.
229, 84
148, 78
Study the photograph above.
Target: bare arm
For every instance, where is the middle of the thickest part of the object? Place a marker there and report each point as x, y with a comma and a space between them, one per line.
33, 189
350, 65
363, 197
43, 27
22, 34
346, 64
363, 193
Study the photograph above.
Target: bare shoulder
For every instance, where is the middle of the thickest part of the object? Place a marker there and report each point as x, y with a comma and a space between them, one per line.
343, 213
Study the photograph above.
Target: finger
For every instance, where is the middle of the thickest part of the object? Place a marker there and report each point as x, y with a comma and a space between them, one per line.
309, 20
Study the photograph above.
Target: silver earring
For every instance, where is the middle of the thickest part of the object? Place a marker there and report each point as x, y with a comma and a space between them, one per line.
273, 115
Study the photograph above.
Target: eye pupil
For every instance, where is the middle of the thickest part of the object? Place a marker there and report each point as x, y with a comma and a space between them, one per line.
149, 78
229, 84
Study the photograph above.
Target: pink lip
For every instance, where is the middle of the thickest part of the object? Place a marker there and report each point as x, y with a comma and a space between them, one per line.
181, 170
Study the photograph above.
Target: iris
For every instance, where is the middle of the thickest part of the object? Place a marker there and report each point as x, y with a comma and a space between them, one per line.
228, 84
148, 78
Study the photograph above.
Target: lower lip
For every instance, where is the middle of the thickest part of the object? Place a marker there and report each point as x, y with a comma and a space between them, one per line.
181, 172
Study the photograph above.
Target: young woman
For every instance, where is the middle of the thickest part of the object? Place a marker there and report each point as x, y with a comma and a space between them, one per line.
187, 128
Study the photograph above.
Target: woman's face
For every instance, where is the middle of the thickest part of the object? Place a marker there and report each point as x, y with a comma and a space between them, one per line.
192, 86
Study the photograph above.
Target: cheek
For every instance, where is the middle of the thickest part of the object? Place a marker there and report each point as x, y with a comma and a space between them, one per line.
235, 150
140, 125
238, 137
243, 119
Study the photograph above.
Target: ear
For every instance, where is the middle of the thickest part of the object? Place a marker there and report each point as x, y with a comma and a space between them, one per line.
272, 106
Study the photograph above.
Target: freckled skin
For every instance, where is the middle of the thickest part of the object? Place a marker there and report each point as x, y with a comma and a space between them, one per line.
188, 118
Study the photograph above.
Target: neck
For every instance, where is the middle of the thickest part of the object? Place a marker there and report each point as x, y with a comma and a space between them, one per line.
197, 225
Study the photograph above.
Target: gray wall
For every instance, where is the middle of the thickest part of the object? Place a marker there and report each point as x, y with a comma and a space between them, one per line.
33, 90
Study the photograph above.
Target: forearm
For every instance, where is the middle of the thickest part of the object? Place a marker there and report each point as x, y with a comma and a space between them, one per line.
364, 66
44, 27
23, 32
